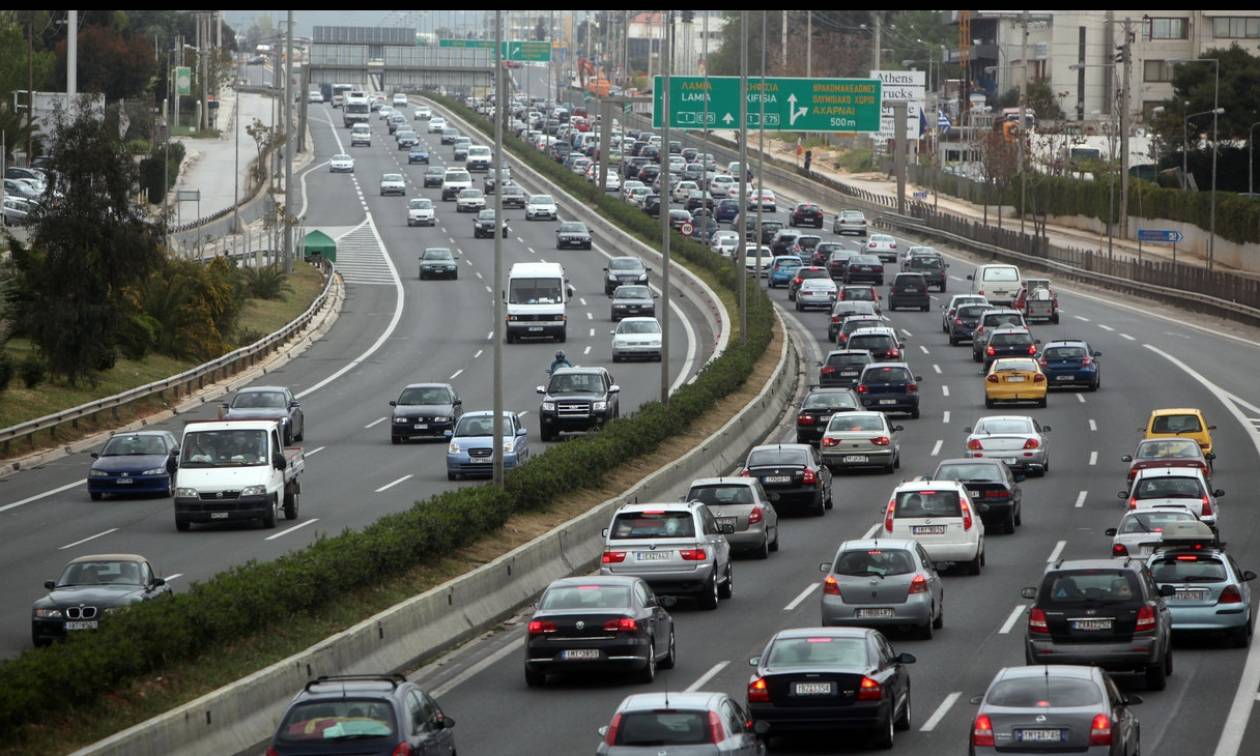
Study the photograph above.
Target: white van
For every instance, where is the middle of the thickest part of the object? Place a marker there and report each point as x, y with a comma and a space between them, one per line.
361, 134
536, 296
479, 158
998, 283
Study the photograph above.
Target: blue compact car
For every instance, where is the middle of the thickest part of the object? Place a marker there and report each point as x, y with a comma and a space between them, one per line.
418, 155
1071, 362
471, 449
783, 270
142, 462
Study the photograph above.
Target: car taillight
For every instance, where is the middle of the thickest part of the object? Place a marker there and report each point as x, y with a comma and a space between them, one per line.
1039, 378
863, 389
1207, 508
894, 353
715, 728
758, 691
1032, 348
919, 584
806, 420
1119, 550
869, 690
621, 625
981, 292
827, 370
831, 586
538, 627
1145, 620
974, 444
756, 515
1037, 622
1132, 502
888, 516
613, 557
958, 321
1230, 595
610, 736
745, 473
1087, 361
881, 440
692, 555
402, 749
982, 732
835, 319
966, 512
1100, 730
992, 378
828, 441
1032, 443
271, 751
990, 351
912, 388
809, 478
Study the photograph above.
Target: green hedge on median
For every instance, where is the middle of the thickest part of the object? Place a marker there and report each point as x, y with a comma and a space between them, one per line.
247, 600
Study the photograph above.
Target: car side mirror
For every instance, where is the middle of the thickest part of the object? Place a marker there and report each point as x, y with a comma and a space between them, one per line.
1211, 427
50, 584
1127, 458
1111, 532
1046, 429
96, 455
522, 432
1028, 592
1131, 700
277, 461
668, 602
824, 566
540, 390
393, 403
970, 277
604, 532
975, 700
1098, 354
614, 389
967, 429
1167, 590
294, 404
158, 582
605, 270
1248, 575
753, 662
1218, 493
904, 658
458, 403
1122, 494
918, 378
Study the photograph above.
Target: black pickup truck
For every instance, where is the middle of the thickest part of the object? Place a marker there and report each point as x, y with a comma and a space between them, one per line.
577, 399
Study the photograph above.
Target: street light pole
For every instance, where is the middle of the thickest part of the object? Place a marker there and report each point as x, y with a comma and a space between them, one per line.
1020, 132
741, 268
1216, 109
666, 67
1251, 133
497, 295
761, 149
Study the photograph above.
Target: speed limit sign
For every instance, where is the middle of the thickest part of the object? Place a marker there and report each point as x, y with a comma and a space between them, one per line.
686, 229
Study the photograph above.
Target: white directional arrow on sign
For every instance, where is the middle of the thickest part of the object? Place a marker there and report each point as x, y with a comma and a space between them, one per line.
793, 111
726, 119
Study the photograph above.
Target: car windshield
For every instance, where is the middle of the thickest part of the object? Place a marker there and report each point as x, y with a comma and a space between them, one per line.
852, 215
259, 400
886, 375
572, 228
997, 425
1001, 275
872, 342
485, 215
1010, 339
1176, 424
925, 261
1188, 568
624, 263
101, 572
632, 292
457, 176
424, 395
326, 720
880, 562
541, 199
1073, 587
1020, 365
1065, 353
1152, 522
653, 524
1044, 691
905, 281
131, 446
575, 383
591, 597
853, 422
420, 204
975, 473
813, 273
971, 311
814, 652
1173, 448
927, 503
341, 158
1168, 488
722, 494
777, 456
638, 326
663, 727
535, 291
392, 177
470, 194
864, 260
438, 254
209, 448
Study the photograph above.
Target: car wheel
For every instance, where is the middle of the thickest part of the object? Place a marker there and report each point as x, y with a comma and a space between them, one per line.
820, 508
182, 525
882, 736
763, 551
1042, 404
1240, 637
914, 414
1094, 386
774, 545
672, 657
798, 306
942, 287
1009, 526
973, 567
1157, 673
953, 341
269, 519
1019, 515
292, 499
924, 631
988, 403
546, 433
709, 599
535, 678
727, 588
939, 622
95, 496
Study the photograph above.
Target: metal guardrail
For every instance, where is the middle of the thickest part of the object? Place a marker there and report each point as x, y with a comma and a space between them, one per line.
186, 382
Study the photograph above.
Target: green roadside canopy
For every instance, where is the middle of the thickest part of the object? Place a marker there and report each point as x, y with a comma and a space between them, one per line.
321, 244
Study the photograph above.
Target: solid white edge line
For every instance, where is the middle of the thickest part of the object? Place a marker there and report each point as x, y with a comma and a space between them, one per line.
940, 712
43, 495
1080, 499
1058, 549
391, 484
801, 597
85, 540
707, 676
1011, 620
290, 530
476, 669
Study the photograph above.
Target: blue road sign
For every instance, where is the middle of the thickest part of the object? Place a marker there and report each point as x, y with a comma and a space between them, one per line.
1164, 235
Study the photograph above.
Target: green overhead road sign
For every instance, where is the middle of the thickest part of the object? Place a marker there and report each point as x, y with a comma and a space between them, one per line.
524, 50
792, 104
484, 44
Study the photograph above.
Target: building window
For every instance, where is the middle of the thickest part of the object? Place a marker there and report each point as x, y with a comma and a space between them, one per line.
1167, 28
1236, 27
1157, 70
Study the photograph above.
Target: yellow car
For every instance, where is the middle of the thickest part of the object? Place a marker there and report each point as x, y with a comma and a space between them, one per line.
1182, 423
1015, 379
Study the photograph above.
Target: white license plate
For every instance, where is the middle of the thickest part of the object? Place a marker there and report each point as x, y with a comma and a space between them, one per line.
1063, 377
651, 556
732, 521
1190, 595
535, 328
1091, 624
1015, 379
812, 689
218, 515
1038, 736
778, 478
854, 458
927, 530
124, 481
973, 493
876, 613
84, 625
887, 401
422, 426
580, 654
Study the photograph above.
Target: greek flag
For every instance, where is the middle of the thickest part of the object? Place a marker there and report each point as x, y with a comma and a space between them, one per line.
942, 121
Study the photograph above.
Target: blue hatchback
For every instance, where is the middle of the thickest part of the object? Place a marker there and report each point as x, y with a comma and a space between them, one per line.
418, 155
142, 462
471, 449
783, 270
727, 211
1211, 591
1071, 362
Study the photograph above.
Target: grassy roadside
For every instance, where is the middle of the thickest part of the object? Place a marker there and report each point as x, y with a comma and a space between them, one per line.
19, 404
184, 681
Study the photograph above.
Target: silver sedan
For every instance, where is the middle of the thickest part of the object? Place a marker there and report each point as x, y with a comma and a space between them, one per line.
1018, 440
861, 439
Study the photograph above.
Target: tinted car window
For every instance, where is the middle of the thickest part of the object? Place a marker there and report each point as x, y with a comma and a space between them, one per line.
760, 457
1176, 424
122, 446
971, 311
873, 343
1152, 522
1001, 275
874, 562
906, 282
844, 360
977, 473
721, 495
886, 375
809, 652
1078, 587
927, 504
586, 597
1188, 568
327, 720
1065, 353
653, 525
1010, 339
1004, 425
426, 395
1040, 692
1005, 318
830, 401
662, 728
1166, 488
927, 263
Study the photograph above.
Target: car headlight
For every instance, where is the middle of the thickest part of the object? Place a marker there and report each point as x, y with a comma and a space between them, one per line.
47, 614
599, 406
453, 448
549, 406
253, 491
186, 493
509, 445
643, 278
98, 474
155, 471
441, 419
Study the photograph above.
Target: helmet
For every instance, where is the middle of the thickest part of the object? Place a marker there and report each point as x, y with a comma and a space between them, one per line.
560, 354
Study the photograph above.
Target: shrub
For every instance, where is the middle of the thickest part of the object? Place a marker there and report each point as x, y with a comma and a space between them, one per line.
138, 335
266, 282
6, 370
33, 371
249, 336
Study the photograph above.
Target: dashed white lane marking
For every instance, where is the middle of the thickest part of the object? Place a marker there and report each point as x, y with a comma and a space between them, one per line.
488, 289
1127, 336
945, 419
531, 251
936, 448
582, 300
586, 351
1012, 619
1093, 426
287, 531
43, 495
940, 712
707, 676
1093, 458
925, 349
801, 597
871, 532
936, 369
391, 484
906, 333
89, 538
476, 669
478, 274
314, 451
1058, 549
1106, 327
375, 422
1082, 319
592, 332
955, 278
1080, 397
945, 390
489, 336
1080, 499
589, 316
456, 374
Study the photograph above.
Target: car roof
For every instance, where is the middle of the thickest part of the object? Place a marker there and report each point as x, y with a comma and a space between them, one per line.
108, 558
580, 370
878, 543
824, 632
1095, 564
259, 389
832, 389
1077, 671
1066, 342
866, 352
1176, 411
668, 506
1011, 329
887, 364
1169, 472
726, 480
699, 699
163, 433
876, 330
1005, 417
486, 413
595, 580
931, 485
427, 385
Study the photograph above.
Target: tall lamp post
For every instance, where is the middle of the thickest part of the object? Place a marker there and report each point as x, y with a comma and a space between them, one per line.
1216, 111
1251, 145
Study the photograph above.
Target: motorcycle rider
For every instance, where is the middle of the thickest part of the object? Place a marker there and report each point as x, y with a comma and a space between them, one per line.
560, 362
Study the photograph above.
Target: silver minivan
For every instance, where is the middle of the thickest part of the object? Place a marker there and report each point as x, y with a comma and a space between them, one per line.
743, 503
677, 548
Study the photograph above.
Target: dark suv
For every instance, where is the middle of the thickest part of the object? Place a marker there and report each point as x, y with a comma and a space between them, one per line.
843, 367
577, 399
993, 318
817, 408
1107, 613
932, 267
909, 290
363, 714
1009, 342
889, 387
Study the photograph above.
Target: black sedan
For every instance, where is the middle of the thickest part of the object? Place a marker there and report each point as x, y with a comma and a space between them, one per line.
573, 234
791, 474
424, 410
91, 587
483, 225
433, 175
513, 196
633, 301
817, 408
864, 269
812, 679
992, 486
598, 624
806, 214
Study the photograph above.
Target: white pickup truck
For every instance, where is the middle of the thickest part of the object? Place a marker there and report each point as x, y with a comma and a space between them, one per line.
231, 470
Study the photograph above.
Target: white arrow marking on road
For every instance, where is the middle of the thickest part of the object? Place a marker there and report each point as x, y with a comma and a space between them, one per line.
793, 111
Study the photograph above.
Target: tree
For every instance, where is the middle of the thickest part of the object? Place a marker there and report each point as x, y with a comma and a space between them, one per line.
1040, 99
118, 64
262, 136
87, 247
999, 160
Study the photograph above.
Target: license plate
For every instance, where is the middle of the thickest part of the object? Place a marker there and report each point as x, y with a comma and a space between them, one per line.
535, 328
1015, 379
581, 654
422, 426
887, 401
651, 556
218, 515
1063, 377
733, 522
124, 481
854, 458
85, 625
973, 493
874, 613
1091, 624
927, 530
1039, 736
1190, 595
778, 478
812, 689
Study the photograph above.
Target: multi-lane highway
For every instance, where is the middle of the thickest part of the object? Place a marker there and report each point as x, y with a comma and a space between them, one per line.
394, 329
1152, 357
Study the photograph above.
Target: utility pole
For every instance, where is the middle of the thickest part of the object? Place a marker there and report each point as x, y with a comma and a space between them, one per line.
30, 88
704, 173
203, 29
875, 40
497, 295
1023, 105
809, 44
761, 145
288, 144
666, 67
72, 62
236, 170
741, 266
1126, 53
783, 55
